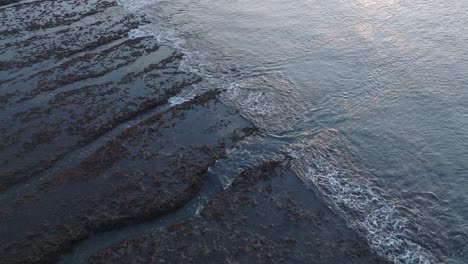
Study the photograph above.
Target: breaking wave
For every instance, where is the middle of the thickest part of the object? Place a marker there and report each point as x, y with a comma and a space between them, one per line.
353, 194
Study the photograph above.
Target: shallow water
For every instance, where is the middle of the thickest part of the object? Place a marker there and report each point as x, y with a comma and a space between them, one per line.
386, 78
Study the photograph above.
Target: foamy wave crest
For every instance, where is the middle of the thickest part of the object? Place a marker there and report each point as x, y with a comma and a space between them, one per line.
352, 192
188, 62
164, 34
192, 61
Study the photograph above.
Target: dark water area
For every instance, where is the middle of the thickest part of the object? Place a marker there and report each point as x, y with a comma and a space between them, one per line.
252, 131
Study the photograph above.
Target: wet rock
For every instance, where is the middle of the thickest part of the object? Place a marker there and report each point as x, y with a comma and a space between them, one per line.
150, 169
70, 76
38, 15
67, 73
56, 45
75, 117
7, 2
266, 216
65, 107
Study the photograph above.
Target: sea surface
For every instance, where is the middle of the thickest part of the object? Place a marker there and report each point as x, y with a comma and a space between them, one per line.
386, 79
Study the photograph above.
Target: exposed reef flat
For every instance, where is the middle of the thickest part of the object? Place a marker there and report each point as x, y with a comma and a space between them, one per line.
266, 216
90, 144
150, 169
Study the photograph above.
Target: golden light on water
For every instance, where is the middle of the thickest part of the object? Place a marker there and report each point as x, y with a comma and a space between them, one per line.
374, 27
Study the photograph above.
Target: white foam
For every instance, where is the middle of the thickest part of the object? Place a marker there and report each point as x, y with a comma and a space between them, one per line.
163, 34
176, 100
363, 205
191, 62
258, 99
201, 204
137, 33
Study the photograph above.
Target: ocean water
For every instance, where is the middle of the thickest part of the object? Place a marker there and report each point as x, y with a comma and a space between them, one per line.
368, 97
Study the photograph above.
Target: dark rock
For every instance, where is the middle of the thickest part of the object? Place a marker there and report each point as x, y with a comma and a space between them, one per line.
266, 216
151, 169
